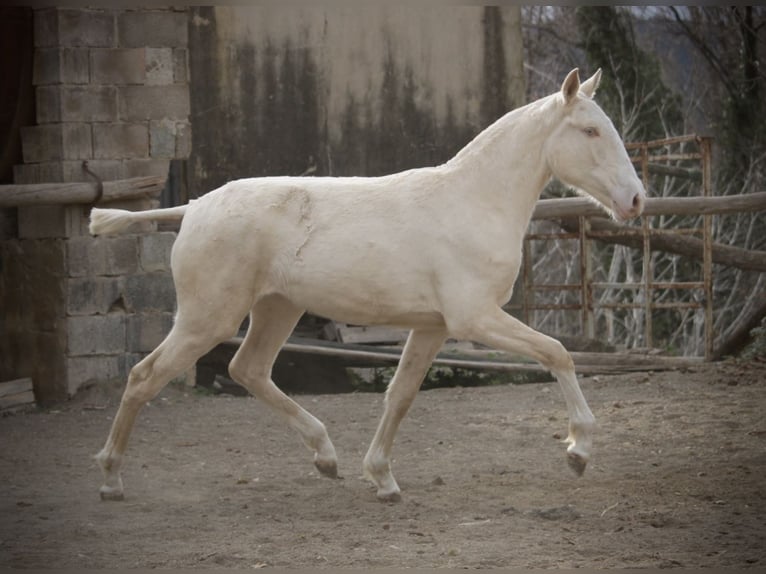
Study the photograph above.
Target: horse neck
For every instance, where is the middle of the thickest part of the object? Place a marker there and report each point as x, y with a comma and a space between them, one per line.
505, 163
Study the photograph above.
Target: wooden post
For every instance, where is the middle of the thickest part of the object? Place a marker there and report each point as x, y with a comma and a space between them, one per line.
586, 289
707, 252
647, 263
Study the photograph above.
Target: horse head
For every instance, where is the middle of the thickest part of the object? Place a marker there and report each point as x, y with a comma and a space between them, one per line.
585, 151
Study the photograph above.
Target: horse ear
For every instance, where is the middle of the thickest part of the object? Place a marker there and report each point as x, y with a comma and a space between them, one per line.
589, 86
571, 85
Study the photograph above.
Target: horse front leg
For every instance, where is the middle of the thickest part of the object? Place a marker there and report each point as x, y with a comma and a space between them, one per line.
500, 330
419, 351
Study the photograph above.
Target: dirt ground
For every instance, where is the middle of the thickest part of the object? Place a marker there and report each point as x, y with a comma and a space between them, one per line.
677, 480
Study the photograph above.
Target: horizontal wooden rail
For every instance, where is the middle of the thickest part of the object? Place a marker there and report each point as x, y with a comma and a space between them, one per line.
484, 360
580, 206
80, 192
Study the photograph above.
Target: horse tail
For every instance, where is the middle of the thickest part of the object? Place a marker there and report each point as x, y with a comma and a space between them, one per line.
115, 221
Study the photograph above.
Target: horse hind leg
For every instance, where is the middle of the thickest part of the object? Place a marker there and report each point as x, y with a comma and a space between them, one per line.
271, 321
176, 354
419, 352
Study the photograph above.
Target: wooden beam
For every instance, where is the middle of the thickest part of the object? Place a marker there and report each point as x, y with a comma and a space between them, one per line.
82, 192
729, 255
585, 363
16, 394
581, 206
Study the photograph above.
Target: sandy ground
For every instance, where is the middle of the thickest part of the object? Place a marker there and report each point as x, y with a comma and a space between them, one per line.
677, 480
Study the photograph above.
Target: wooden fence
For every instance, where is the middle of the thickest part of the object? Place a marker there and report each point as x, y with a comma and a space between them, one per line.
581, 220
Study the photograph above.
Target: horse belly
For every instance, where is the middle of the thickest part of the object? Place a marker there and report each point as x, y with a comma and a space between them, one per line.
363, 283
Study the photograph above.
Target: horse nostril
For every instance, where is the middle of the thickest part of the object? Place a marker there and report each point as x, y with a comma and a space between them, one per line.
637, 203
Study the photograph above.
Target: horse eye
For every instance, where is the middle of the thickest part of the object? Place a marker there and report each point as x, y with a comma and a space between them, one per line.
591, 132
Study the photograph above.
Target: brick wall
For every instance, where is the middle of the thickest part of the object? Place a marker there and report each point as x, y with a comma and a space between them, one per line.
111, 88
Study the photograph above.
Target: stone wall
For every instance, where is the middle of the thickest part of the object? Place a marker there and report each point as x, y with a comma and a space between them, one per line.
112, 89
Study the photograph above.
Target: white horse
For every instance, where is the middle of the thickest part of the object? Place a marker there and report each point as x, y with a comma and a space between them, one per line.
435, 250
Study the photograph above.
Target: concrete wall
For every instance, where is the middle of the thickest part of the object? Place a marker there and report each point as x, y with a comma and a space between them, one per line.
337, 90
111, 88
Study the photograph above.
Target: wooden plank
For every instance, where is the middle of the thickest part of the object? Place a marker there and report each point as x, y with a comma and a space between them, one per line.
580, 206
375, 334
82, 192
17, 400
15, 386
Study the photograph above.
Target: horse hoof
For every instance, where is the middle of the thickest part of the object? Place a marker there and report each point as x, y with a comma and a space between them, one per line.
394, 496
108, 493
328, 468
577, 463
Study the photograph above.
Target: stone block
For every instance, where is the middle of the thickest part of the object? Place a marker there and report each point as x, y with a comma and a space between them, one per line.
150, 292
89, 104
93, 295
138, 103
162, 136
61, 66
120, 140
96, 334
102, 256
147, 330
154, 251
159, 66
73, 27
53, 142
48, 104
118, 66
46, 27
82, 27
106, 169
48, 222
45, 172
76, 104
67, 171
87, 370
142, 167
152, 28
